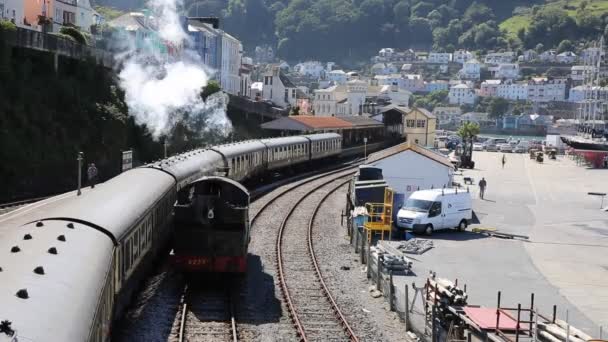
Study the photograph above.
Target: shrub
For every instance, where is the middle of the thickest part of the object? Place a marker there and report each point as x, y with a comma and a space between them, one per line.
7, 26
74, 33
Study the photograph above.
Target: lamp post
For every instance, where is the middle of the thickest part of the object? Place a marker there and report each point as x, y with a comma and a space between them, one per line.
80, 159
365, 148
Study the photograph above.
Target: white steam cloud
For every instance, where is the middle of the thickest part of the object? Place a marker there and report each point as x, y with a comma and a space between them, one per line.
161, 92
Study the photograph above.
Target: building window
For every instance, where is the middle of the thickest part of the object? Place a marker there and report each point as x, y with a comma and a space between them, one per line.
420, 123
411, 123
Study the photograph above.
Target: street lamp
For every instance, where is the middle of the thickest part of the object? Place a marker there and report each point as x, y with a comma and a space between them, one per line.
80, 159
365, 148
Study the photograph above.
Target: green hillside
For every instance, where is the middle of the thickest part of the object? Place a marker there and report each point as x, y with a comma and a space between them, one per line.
524, 15
351, 31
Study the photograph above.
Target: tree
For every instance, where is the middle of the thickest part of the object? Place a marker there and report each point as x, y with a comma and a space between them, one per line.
565, 45
422, 9
468, 130
497, 107
211, 88
420, 30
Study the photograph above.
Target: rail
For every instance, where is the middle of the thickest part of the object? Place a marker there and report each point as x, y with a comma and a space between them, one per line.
281, 270
318, 272
185, 307
22, 202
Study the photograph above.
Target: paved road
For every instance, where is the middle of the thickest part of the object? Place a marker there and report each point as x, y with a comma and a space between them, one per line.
566, 261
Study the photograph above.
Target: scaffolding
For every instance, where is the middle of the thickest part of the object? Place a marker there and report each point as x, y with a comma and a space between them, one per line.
380, 216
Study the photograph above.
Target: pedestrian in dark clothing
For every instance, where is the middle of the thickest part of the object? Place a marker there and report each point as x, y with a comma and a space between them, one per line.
92, 174
504, 161
482, 187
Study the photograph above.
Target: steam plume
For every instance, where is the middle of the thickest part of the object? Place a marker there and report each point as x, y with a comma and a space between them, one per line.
161, 92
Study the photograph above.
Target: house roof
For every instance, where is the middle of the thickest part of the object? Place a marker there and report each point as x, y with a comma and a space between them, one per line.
407, 110
286, 81
408, 146
311, 123
130, 21
361, 121
461, 86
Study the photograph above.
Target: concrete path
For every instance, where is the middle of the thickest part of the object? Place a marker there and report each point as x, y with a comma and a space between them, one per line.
565, 263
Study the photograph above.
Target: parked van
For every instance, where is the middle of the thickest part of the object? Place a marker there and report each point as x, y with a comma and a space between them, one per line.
430, 210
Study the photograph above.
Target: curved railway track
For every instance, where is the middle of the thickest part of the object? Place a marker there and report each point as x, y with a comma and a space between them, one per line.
313, 310
207, 316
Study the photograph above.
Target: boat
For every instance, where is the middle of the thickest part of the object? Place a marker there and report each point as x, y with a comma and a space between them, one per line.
592, 130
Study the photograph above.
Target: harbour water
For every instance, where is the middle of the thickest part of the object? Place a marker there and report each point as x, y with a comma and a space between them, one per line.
516, 137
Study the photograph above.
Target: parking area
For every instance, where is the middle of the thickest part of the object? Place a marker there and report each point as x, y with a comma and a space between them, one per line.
564, 261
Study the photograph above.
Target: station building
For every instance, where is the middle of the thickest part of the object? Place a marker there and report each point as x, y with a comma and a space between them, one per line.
417, 125
354, 130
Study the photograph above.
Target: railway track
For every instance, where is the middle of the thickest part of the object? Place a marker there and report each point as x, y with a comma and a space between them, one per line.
10, 206
206, 316
313, 311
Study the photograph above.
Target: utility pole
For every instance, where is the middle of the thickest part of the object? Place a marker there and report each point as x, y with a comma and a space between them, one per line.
80, 159
365, 148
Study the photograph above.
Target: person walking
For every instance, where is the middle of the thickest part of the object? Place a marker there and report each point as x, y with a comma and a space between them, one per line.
92, 174
504, 161
482, 187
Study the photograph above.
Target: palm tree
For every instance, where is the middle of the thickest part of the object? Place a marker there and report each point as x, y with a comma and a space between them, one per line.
468, 130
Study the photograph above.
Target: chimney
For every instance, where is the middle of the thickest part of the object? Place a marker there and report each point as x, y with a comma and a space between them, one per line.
394, 87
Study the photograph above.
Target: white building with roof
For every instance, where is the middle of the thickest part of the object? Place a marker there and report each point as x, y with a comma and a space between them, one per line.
397, 96
337, 76
579, 93
529, 56
462, 94
413, 82
310, 68
436, 85
499, 57
439, 58
447, 115
578, 73
489, 87
279, 89
87, 16
355, 98
471, 70
591, 54
512, 91
480, 118
566, 57
462, 56
326, 100
549, 56
541, 89
257, 91
508, 71
414, 168
232, 51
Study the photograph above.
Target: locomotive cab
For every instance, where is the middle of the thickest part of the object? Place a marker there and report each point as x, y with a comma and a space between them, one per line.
211, 226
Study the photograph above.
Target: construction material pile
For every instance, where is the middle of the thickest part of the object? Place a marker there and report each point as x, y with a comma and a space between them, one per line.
390, 258
560, 332
415, 246
444, 293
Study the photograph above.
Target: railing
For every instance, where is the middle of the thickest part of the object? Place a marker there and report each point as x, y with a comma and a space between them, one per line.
36, 40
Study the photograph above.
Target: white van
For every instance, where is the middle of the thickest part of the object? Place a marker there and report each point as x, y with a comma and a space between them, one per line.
429, 210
